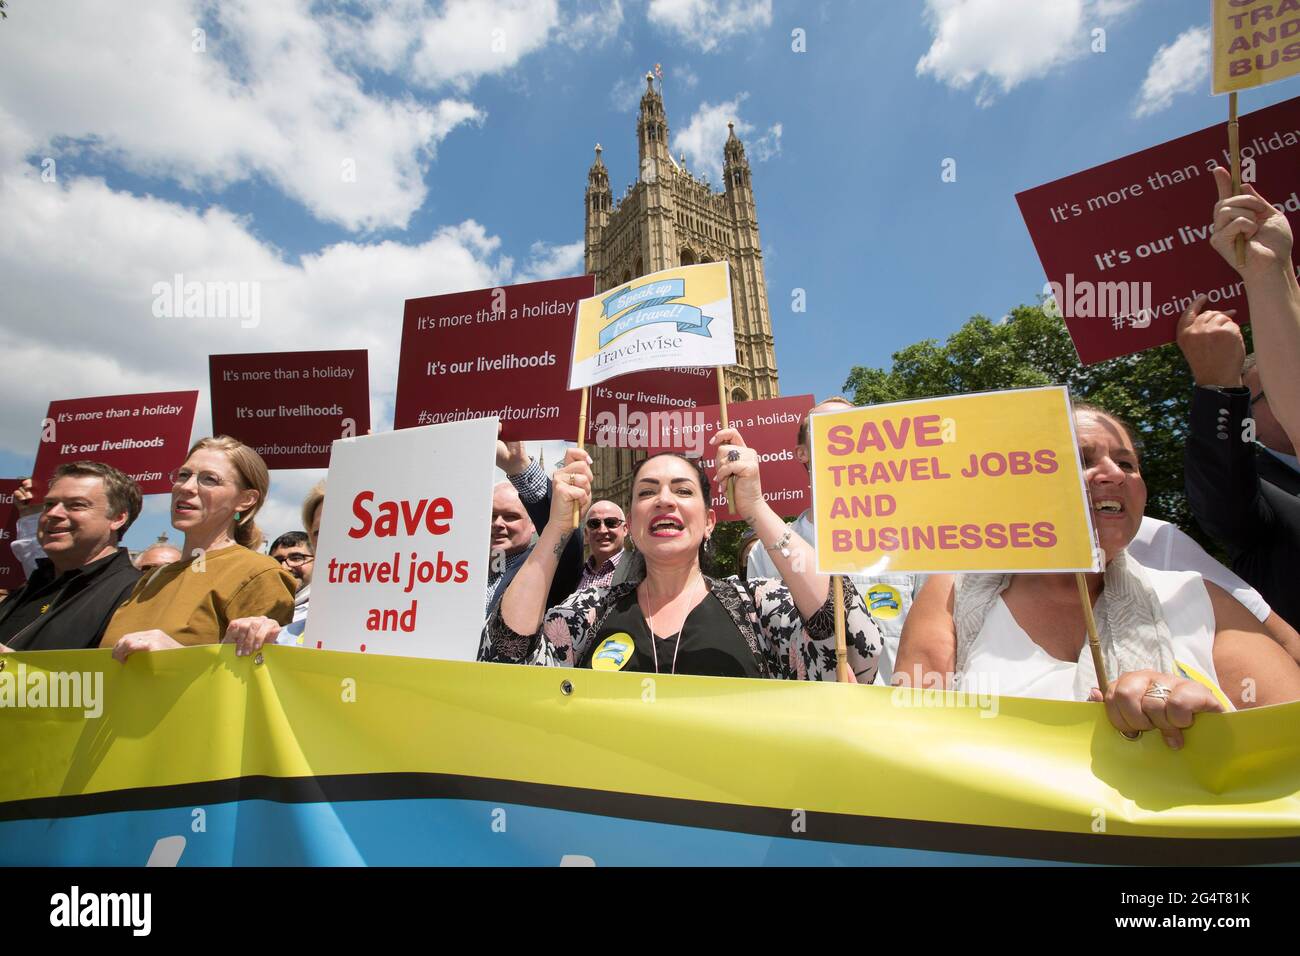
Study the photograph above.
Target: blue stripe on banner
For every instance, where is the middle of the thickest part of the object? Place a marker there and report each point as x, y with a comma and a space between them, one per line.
688, 318
423, 833
656, 293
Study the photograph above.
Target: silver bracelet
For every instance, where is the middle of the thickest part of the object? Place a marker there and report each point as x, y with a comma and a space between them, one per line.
783, 545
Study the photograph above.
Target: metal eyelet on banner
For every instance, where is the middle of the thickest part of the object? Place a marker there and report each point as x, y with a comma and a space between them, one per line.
566, 687
259, 659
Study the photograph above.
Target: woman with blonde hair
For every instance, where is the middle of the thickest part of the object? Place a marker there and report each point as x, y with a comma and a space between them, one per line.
216, 495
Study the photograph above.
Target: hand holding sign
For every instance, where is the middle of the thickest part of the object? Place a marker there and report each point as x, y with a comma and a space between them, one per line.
1250, 215
571, 487
23, 499
1132, 710
738, 462
512, 457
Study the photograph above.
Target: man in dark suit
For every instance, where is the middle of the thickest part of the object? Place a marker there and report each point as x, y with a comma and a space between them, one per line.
83, 578
1242, 482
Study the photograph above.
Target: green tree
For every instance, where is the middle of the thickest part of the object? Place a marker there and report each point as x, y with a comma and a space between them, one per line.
1151, 389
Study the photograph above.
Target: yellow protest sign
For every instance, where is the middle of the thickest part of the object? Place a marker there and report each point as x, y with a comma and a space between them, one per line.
675, 318
983, 482
1254, 42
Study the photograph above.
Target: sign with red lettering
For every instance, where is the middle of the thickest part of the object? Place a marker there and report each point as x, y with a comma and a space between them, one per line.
622, 403
11, 571
986, 482
290, 406
769, 426
495, 352
145, 436
402, 562
1126, 245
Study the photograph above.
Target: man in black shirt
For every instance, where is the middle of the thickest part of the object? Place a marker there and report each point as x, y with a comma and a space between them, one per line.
68, 600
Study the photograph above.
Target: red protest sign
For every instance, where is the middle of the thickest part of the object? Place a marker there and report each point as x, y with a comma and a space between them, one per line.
290, 406
144, 436
621, 407
11, 571
1126, 244
770, 426
502, 352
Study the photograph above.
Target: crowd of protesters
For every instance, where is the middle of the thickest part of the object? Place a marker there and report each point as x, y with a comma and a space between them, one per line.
632, 587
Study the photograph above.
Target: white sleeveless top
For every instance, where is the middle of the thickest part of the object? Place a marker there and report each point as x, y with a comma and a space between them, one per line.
1004, 660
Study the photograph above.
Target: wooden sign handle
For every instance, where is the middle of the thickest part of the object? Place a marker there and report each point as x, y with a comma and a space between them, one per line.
582, 440
726, 423
1234, 152
842, 673
1094, 642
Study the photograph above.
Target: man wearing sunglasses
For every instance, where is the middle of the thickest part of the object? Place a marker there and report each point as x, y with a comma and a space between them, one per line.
605, 529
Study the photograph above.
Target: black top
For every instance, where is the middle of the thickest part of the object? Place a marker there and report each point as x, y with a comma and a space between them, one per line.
1244, 498
70, 611
711, 645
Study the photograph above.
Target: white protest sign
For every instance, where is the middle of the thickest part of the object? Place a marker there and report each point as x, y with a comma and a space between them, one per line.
677, 318
402, 562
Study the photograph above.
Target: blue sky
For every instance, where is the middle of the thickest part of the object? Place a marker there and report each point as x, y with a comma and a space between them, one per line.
471, 127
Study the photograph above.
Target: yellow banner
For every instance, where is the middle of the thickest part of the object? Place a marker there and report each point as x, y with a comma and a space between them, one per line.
1254, 42
321, 756
983, 482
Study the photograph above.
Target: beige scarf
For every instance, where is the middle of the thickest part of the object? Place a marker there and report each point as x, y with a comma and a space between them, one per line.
1130, 622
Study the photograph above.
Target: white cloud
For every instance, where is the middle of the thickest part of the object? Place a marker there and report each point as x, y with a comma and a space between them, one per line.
704, 135
768, 145
471, 38
546, 261
707, 24
626, 92
263, 98
999, 44
1177, 67
78, 262
682, 77
592, 23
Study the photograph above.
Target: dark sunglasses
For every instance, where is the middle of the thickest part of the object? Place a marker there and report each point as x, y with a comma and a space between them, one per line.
593, 524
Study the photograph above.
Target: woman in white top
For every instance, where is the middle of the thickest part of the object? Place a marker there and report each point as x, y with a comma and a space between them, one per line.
1175, 645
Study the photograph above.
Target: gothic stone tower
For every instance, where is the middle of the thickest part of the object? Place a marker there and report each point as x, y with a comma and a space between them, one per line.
670, 217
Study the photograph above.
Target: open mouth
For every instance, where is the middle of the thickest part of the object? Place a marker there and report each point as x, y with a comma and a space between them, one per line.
666, 526
1108, 506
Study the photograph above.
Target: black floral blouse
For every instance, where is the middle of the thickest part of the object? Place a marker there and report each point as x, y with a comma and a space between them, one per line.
784, 645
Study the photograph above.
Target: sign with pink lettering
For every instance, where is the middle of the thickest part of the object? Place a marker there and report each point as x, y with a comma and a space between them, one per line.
985, 482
